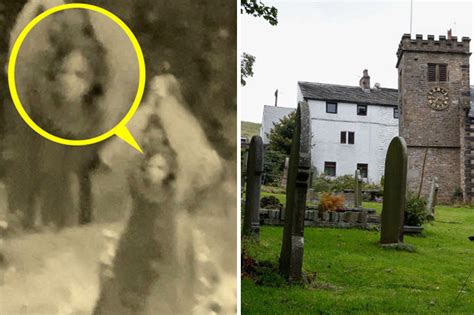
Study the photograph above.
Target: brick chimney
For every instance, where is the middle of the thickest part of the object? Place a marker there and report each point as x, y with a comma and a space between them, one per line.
364, 82
450, 34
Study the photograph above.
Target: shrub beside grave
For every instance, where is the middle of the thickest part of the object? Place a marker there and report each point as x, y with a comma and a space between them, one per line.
329, 202
270, 202
415, 213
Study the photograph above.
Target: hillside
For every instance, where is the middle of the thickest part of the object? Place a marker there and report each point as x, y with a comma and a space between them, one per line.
249, 129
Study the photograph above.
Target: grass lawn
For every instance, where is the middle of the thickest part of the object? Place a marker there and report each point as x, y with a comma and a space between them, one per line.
354, 275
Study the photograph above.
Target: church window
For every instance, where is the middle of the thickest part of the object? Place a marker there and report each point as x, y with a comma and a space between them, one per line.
437, 72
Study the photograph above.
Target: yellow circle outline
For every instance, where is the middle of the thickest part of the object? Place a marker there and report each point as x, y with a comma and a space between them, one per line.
13, 90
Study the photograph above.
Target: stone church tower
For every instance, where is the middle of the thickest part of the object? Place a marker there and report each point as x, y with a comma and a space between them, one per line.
433, 85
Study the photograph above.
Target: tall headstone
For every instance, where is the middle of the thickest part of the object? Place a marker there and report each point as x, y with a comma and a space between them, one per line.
357, 189
432, 199
243, 177
395, 185
284, 179
299, 174
252, 193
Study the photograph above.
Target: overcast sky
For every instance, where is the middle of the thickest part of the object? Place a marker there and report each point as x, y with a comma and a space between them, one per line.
333, 41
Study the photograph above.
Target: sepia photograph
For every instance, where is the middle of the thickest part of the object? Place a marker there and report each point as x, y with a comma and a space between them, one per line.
357, 146
118, 164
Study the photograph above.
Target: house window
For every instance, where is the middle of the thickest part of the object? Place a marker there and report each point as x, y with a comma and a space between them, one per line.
396, 114
364, 170
437, 72
343, 137
331, 108
330, 168
347, 137
351, 137
362, 110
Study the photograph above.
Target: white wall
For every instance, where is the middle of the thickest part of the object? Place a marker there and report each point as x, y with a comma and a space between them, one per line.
373, 134
271, 115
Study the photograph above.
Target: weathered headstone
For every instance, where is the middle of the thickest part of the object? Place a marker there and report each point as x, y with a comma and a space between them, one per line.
299, 171
252, 193
284, 179
243, 177
394, 201
432, 199
357, 189
349, 199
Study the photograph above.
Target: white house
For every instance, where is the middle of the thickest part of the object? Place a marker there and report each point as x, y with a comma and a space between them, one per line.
272, 115
352, 126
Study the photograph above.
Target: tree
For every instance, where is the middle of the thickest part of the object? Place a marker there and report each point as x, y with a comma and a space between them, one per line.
281, 134
279, 147
246, 66
257, 9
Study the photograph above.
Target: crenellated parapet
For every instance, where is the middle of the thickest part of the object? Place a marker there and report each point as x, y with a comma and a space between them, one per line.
430, 44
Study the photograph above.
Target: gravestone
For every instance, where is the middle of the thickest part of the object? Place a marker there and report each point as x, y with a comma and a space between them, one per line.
284, 179
299, 174
394, 201
357, 189
252, 193
243, 177
432, 199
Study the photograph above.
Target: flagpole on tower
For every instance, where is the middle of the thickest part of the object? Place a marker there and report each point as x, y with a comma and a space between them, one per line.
411, 15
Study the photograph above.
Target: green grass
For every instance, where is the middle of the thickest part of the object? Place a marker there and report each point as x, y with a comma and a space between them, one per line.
249, 129
355, 276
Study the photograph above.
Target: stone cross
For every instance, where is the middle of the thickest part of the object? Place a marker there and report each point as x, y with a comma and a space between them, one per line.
357, 189
394, 200
299, 174
252, 193
432, 199
284, 179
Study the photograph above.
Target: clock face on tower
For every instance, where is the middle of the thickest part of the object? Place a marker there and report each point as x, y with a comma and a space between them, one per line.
438, 98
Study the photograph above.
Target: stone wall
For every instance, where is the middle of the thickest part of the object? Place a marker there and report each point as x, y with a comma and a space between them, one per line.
443, 163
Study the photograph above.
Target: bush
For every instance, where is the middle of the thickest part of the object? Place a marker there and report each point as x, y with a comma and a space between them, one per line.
270, 202
273, 165
457, 195
415, 213
331, 202
321, 183
339, 184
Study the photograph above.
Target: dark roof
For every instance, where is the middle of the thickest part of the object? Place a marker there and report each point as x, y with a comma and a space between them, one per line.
350, 94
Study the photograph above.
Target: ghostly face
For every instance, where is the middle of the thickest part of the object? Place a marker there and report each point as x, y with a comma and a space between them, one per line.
74, 77
157, 169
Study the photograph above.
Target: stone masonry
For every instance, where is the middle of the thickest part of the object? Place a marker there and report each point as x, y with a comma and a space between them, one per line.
435, 138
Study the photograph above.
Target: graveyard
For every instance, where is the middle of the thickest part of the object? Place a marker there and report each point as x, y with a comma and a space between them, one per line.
348, 272
298, 258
